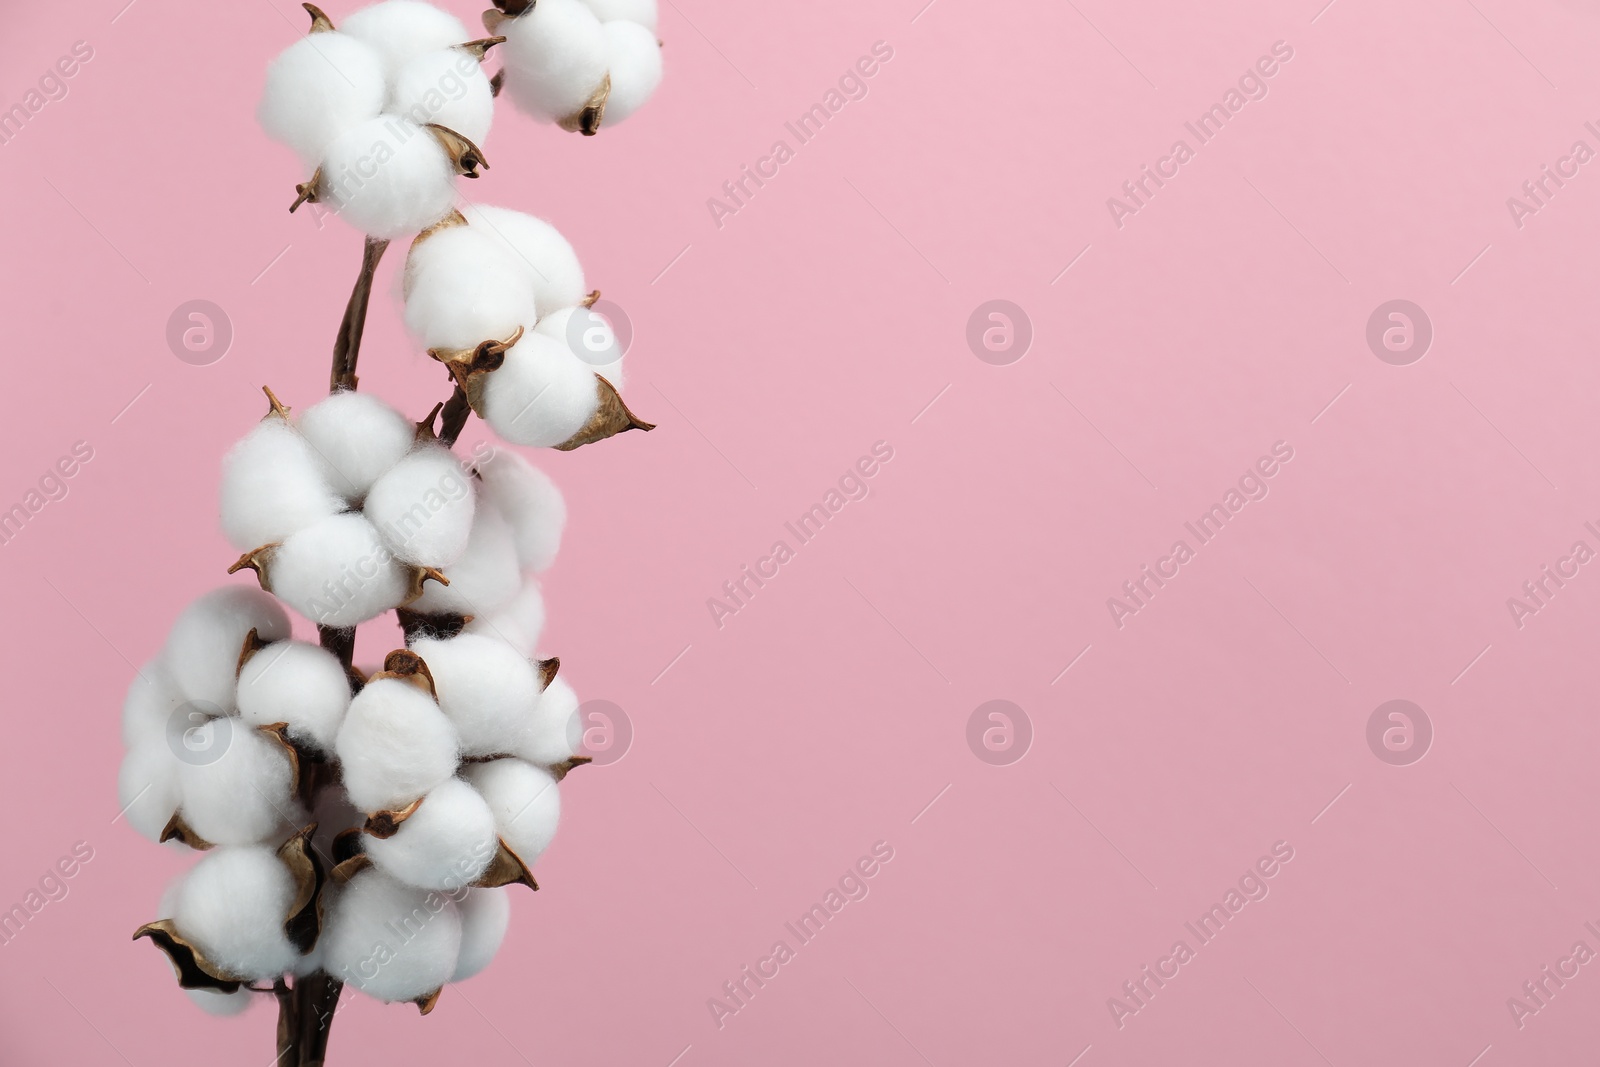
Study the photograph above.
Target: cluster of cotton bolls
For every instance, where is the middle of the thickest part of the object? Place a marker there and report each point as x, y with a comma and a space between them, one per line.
580, 62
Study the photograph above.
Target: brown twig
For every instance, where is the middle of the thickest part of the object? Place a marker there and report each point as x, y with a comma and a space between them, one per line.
456, 410
347, 349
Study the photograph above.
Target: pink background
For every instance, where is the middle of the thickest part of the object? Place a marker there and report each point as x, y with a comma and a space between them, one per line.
826, 715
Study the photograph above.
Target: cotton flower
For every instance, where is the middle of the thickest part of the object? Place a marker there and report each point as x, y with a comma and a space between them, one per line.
394, 746
237, 784
553, 733
446, 86
486, 687
641, 11
525, 800
233, 906
388, 177
518, 622
484, 576
147, 787
273, 486
485, 914
152, 701
298, 684
446, 843
202, 651
423, 507
634, 61
531, 503
587, 335
402, 30
389, 940
546, 258
463, 287
555, 58
542, 395
338, 572
319, 87
355, 437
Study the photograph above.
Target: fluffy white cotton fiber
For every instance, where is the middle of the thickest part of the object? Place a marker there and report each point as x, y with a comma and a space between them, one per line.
356, 437
634, 59
153, 697
525, 800
338, 572
539, 249
485, 686
202, 651
389, 940
402, 30
296, 683
395, 745
446, 843
555, 57
641, 11
272, 486
319, 87
388, 177
518, 622
147, 787
423, 507
589, 337
237, 783
232, 907
446, 87
531, 503
554, 732
485, 914
462, 287
484, 577
541, 395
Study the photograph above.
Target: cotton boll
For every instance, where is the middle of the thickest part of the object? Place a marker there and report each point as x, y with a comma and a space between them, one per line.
395, 745
272, 486
319, 87
446, 843
338, 572
299, 684
203, 648
589, 337
153, 697
388, 177
635, 64
485, 915
641, 11
356, 437
554, 732
462, 287
423, 507
518, 622
541, 395
555, 57
537, 247
389, 940
238, 785
525, 800
483, 578
222, 1005
485, 686
232, 907
402, 30
147, 787
446, 87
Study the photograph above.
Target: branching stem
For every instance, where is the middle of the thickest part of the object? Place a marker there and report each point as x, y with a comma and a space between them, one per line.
347, 348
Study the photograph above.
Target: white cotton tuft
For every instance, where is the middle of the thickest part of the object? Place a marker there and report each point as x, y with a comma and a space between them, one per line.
486, 687
203, 648
338, 572
319, 87
356, 437
232, 907
634, 58
541, 395
537, 247
237, 782
531, 503
222, 1005
423, 507
485, 915
389, 940
525, 800
153, 697
272, 486
589, 337
641, 11
446, 87
554, 732
447, 843
483, 578
555, 57
462, 287
388, 177
518, 622
299, 684
395, 745
147, 787
402, 30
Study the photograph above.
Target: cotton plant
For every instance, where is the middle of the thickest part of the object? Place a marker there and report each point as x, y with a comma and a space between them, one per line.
368, 826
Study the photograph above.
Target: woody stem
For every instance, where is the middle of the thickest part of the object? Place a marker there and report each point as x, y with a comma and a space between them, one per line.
347, 347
